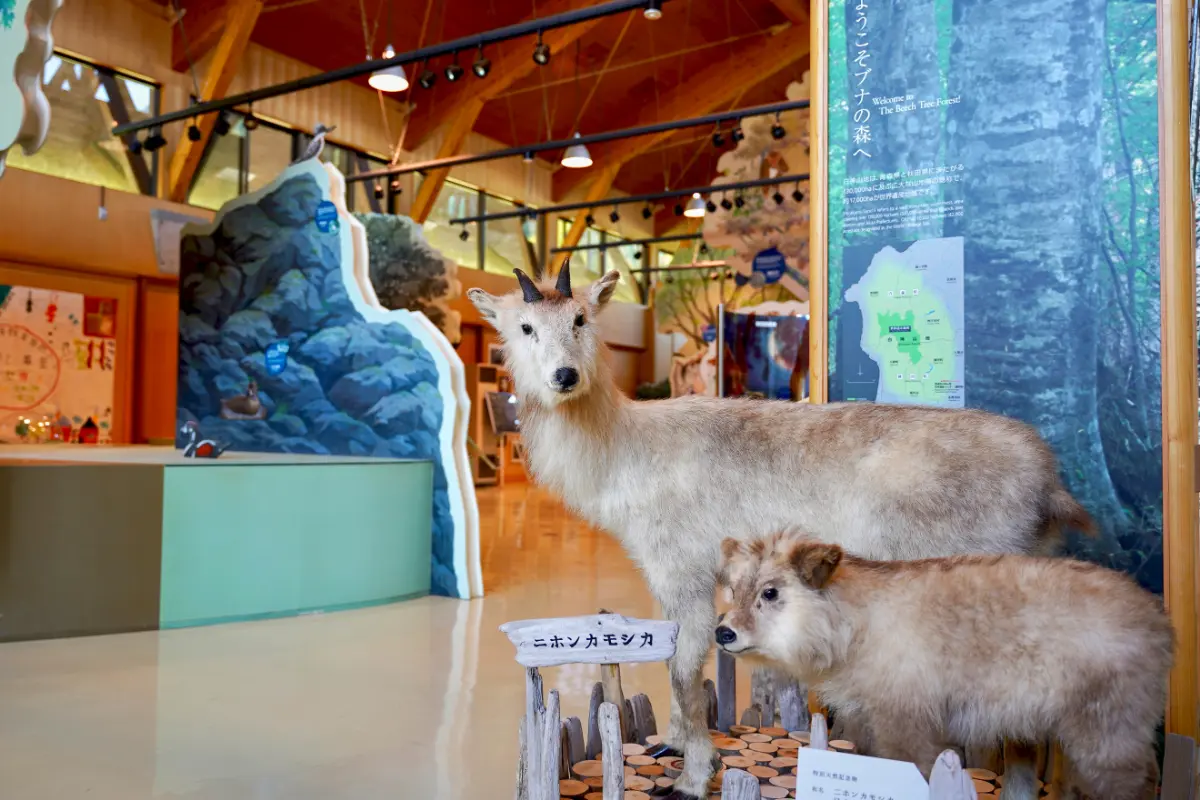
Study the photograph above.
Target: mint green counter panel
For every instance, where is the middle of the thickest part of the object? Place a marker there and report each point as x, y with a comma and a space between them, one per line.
254, 541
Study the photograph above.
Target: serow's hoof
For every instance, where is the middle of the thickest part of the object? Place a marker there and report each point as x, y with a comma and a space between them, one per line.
677, 795
663, 750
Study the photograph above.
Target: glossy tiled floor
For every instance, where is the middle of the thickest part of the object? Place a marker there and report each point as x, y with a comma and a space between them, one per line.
415, 700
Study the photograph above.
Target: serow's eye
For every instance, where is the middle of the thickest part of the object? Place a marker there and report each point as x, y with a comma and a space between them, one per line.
579, 321
770, 594
526, 329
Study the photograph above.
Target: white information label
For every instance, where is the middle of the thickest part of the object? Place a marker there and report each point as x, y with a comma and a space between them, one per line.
828, 774
598, 639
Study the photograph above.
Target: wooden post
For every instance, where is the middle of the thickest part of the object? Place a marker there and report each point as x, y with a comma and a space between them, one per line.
726, 691
534, 708
737, 784
752, 717
593, 737
819, 738
1179, 768
644, 723
949, 781
793, 706
710, 694
1177, 283
610, 677
522, 792
613, 754
546, 779
576, 751
762, 694
818, 201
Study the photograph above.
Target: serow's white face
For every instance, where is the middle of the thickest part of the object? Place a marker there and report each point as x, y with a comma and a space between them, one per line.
551, 341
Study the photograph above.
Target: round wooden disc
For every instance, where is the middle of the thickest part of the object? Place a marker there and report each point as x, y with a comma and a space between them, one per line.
632, 749
664, 783
767, 790
774, 733
653, 740
800, 736
730, 746
981, 774
572, 788
842, 746
674, 769
589, 769
739, 730
759, 756
764, 747
762, 773
738, 762
786, 781
783, 762
639, 784
594, 796
639, 760
629, 771
982, 787
671, 761
636, 796
715, 734
596, 782
754, 737
999, 780
651, 771
786, 744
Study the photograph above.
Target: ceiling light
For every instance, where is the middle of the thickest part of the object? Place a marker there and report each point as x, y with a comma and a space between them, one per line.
378, 191
527, 158
453, 70
428, 78
614, 217
797, 195
155, 140
221, 127
577, 156
678, 210
541, 52
710, 206
695, 206
482, 65
647, 213
589, 219
464, 235
739, 201
726, 204
193, 132
653, 10
777, 130
251, 122
669, 279
737, 134
638, 255
134, 144
718, 138
728, 274
777, 197
704, 247
389, 79
395, 185
714, 275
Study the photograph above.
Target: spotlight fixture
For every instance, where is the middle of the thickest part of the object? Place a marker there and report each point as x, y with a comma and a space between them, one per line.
637, 256
464, 235
678, 210
704, 248
589, 220
577, 156
614, 217
389, 79
797, 195
710, 206
718, 138
777, 130
647, 213
541, 52
714, 275
134, 144
221, 126
653, 10
395, 186
695, 206
777, 197
737, 134
453, 71
728, 274
155, 141
669, 279
427, 79
739, 201
251, 121
725, 203
193, 132
378, 191
482, 65
527, 158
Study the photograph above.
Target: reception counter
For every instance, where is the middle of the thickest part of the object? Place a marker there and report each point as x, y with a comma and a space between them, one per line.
110, 539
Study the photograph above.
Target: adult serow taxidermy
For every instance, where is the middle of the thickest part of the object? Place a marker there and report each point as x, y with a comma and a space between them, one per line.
672, 478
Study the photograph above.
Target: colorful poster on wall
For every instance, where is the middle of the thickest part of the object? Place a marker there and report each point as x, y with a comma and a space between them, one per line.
57, 361
993, 232
766, 356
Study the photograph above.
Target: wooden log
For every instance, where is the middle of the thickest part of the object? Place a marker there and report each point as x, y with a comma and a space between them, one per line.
535, 706
758, 755
730, 747
593, 737
741, 730
636, 760
763, 773
793, 706
547, 776
570, 788
752, 716
522, 791
614, 765
762, 694
564, 753
948, 780
610, 678
588, 769
576, 750
710, 694
819, 735
1179, 768
644, 724
726, 690
783, 763
737, 762
784, 781
739, 785
773, 791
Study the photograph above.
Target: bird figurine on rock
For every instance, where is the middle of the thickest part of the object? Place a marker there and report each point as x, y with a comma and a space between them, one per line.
198, 447
317, 144
244, 406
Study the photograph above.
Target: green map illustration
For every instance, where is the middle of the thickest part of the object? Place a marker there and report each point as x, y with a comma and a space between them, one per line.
910, 299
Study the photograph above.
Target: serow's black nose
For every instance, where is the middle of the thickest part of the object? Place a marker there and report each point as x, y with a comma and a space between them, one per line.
725, 635
566, 377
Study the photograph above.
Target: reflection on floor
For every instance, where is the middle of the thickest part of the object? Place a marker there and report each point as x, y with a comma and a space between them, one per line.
419, 699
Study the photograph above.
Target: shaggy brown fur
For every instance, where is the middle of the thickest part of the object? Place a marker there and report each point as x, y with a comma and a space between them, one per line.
963, 651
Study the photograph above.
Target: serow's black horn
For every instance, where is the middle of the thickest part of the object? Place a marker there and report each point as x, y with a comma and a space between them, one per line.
564, 279
528, 290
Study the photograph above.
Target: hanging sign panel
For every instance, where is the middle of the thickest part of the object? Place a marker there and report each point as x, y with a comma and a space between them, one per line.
993, 232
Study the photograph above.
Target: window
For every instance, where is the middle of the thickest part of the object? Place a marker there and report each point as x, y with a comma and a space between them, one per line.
454, 200
508, 243
86, 101
270, 153
219, 178
590, 263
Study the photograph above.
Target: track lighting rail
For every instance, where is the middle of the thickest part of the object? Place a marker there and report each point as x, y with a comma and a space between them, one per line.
682, 237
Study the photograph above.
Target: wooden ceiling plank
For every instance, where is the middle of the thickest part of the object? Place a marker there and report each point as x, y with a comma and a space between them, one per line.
195, 33
701, 92
239, 18
797, 11
452, 143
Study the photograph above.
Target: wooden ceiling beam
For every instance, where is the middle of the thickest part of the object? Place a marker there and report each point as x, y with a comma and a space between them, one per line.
239, 17
597, 191
452, 143
701, 92
797, 11
515, 63
200, 27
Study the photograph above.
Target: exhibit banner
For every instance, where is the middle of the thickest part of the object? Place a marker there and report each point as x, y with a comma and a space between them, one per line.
993, 232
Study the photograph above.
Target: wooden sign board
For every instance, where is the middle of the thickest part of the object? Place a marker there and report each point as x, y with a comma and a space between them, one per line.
828, 773
596, 639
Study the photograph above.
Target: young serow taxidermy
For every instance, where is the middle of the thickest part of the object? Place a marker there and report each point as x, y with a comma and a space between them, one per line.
672, 478
963, 651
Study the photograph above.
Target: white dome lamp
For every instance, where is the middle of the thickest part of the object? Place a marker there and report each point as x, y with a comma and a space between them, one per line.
695, 206
577, 156
389, 79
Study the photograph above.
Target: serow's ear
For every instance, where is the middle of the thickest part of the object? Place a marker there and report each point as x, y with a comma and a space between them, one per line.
601, 291
815, 562
730, 548
485, 302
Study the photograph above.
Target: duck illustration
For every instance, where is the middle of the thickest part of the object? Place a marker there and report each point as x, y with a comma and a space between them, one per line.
197, 447
244, 406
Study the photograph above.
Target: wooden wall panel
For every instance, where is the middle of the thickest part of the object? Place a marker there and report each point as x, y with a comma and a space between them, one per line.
156, 374
124, 290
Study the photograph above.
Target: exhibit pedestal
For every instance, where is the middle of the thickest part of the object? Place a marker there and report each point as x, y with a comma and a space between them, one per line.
104, 540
